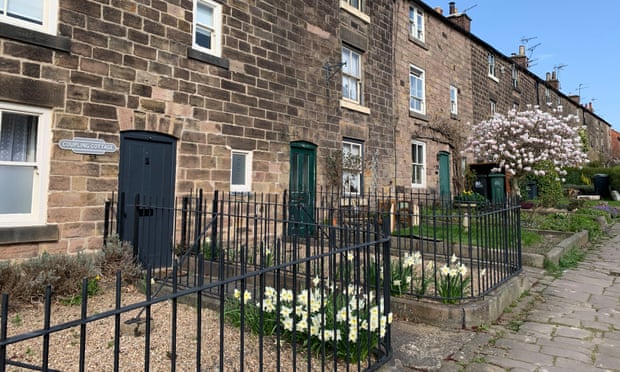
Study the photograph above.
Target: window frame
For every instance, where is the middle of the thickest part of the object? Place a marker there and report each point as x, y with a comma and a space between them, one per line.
40, 165
245, 187
492, 68
359, 175
492, 106
216, 28
349, 75
416, 164
418, 74
49, 22
454, 100
416, 23
515, 76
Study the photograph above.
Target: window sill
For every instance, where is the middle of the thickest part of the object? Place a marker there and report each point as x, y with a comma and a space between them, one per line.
418, 42
28, 234
354, 106
25, 35
494, 78
418, 115
363, 16
454, 116
208, 58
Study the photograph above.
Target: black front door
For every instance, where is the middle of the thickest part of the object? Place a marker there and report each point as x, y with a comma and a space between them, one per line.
146, 187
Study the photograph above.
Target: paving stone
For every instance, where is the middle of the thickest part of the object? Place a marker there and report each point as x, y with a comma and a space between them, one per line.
563, 364
567, 353
607, 361
573, 344
511, 364
596, 326
572, 332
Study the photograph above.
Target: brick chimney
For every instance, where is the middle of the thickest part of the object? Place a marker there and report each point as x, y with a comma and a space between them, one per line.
575, 98
459, 19
520, 59
553, 81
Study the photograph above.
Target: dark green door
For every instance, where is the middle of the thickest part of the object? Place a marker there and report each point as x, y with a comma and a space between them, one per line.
302, 188
443, 157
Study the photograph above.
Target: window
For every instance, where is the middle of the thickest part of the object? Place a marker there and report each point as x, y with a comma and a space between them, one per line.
492, 106
351, 75
418, 166
355, 4
491, 59
207, 35
352, 167
454, 106
241, 171
416, 23
515, 77
547, 96
416, 90
38, 15
24, 147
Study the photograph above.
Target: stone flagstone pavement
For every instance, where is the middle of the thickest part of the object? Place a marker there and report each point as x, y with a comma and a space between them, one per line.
567, 324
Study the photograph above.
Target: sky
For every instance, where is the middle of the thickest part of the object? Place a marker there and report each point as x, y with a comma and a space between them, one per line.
578, 39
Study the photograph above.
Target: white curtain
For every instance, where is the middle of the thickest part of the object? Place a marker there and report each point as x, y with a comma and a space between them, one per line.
18, 137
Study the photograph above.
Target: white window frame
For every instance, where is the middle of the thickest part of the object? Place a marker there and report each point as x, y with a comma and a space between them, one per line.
351, 75
416, 74
454, 100
215, 29
352, 171
49, 16
515, 77
353, 4
416, 23
492, 66
246, 186
492, 106
418, 166
40, 165
547, 96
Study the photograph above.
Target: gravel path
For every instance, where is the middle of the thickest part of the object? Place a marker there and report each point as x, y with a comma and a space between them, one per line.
65, 345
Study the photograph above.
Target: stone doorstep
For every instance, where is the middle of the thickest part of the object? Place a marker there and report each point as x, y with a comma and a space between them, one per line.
579, 239
467, 315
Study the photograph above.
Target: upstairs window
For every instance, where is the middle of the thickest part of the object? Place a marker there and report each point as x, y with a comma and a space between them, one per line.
24, 158
355, 4
491, 60
416, 23
515, 77
207, 36
547, 96
352, 167
241, 171
454, 106
37, 15
351, 75
492, 107
416, 90
418, 164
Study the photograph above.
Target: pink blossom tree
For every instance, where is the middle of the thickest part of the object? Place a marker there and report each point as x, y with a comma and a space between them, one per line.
519, 142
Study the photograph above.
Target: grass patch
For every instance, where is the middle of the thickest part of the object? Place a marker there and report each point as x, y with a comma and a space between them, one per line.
567, 261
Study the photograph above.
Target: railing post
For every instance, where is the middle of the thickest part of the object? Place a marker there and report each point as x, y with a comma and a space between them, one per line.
184, 241
136, 226
106, 221
198, 219
214, 227
120, 215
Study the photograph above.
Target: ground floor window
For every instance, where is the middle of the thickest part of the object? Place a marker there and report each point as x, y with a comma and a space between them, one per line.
418, 164
24, 160
241, 171
352, 166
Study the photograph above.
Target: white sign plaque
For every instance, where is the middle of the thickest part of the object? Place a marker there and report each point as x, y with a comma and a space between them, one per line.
88, 146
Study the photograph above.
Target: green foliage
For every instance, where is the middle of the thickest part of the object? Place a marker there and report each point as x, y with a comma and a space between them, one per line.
549, 185
117, 256
91, 290
569, 260
407, 274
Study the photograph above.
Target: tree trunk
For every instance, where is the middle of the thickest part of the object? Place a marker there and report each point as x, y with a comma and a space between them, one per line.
514, 186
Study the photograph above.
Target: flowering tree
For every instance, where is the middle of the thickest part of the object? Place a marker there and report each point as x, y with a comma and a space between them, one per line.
520, 142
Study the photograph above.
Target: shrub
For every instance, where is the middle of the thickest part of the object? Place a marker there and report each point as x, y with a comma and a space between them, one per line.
116, 256
549, 185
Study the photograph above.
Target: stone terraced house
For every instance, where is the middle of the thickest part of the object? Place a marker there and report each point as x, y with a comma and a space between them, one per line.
164, 97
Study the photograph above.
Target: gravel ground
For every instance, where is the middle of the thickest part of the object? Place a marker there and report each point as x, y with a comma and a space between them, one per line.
65, 345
